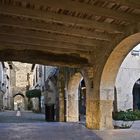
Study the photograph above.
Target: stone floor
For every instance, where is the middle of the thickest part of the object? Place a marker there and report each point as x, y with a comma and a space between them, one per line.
26, 117
32, 126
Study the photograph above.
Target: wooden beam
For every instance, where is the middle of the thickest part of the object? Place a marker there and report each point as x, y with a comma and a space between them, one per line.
42, 42
135, 4
52, 49
53, 28
82, 8
51, 36
39, 57
59, 18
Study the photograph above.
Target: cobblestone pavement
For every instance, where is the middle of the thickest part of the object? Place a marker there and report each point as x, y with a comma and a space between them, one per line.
35, 128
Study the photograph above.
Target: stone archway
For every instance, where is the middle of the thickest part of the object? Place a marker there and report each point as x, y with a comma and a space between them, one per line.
136, 95
108, 78
128, 74
72, 111
19, 94
82, 101
19, 101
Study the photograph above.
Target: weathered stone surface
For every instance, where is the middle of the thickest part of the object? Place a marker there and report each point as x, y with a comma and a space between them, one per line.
72, 98
99, 114
90, 33
128, 74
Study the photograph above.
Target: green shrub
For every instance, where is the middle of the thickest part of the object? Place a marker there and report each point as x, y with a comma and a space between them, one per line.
137, 113
127, 115
33, 93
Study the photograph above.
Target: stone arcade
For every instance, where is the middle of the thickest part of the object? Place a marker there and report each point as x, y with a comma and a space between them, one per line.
92, 35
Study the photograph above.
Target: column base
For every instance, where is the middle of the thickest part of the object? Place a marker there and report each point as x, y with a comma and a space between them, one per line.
99, 114
72, 119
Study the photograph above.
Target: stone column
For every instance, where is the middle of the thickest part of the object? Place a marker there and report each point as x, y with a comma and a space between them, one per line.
99, 107
98, 112
12, 103
99, 102
61, 99
1, 100
106, 107
72, 101
73, 108
25, 103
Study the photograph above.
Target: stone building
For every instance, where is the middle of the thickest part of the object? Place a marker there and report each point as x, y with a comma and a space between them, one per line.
19, 84
40, 75
128, 75
4, 85
62, 88
94, 36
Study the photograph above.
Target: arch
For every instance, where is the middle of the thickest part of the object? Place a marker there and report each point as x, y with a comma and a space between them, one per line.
82, 100
17, 101
136, 95
115, 60
19, 94
127, 75
72, 103
108, 77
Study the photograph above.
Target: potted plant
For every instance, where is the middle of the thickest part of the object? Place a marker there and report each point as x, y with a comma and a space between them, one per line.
124, 119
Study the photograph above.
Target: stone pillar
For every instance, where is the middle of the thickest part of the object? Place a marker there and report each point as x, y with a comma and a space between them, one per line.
61, 107
12, 103
106, 107
73, 108
99, 110
72, 101
61, 99
1, 100
99, 102
25, 103
98, 113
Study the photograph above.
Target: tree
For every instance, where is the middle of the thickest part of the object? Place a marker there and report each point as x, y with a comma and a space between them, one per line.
35, 93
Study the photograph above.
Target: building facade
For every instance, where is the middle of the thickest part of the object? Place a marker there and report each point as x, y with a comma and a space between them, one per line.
128, 75
5, 86
62, 89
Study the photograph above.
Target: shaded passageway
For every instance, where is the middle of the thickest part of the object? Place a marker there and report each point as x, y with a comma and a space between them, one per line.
93, 36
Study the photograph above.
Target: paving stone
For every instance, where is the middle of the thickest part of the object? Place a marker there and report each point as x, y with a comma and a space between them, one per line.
33, 127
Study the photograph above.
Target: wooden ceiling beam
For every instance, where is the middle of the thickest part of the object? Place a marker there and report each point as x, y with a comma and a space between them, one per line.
60, 18
46, 58
42, 42
52, 49
135, 4
49, 36
54, 28
83, 8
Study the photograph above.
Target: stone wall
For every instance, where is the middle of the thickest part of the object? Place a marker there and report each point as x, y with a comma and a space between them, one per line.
128, 74
19, 78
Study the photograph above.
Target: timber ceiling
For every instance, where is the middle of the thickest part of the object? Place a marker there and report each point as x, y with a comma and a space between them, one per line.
67, 31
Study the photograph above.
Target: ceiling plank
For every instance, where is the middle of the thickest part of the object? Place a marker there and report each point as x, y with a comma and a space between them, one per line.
49, 36
59, 18
46, 58
130, 3
53, 28
53, 49
42, 42
83, 8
